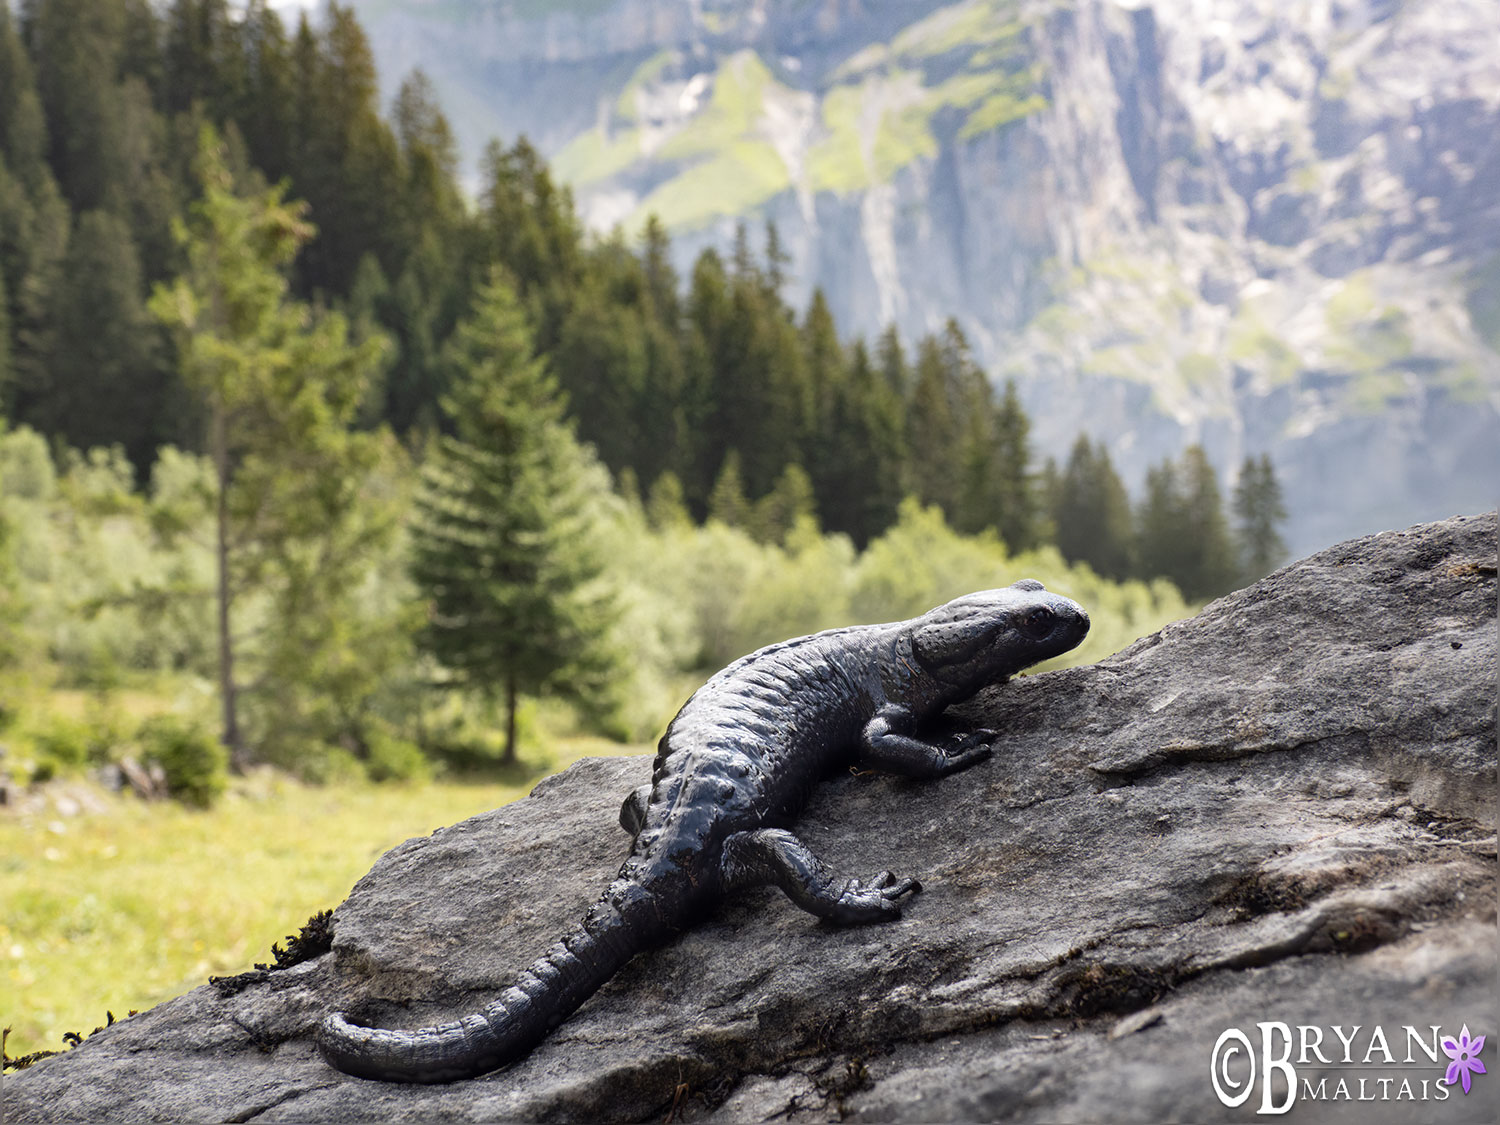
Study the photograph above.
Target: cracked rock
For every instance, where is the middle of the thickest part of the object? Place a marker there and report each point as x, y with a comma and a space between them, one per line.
1279, 810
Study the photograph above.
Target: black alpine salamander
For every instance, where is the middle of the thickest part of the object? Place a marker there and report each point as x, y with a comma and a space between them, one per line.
734, 767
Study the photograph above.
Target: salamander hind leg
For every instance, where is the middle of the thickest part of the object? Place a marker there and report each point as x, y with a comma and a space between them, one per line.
776, 857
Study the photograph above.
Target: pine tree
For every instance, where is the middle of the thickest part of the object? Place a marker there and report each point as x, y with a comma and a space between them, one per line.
602, 364
661, 277
866, 470
108, 382
503, 547
13, 642
975, 497
1160, 525
825, 443
934, 432
75, 47
7, 373
705, 339
890, 358
777, 260
789, 503
23, 131
279, 387
196, 57
1259, 513
529, 228
1091, 512
266, 115
669, 412
727, 502
1182, 533
1017, 506
665, 506
1213, 568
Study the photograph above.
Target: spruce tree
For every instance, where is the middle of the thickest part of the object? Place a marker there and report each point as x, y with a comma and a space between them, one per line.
1213, 569
1160, 526
1182, 533
866, 471
824, 441
1259, 513
503, 547
1091, 512
890, 358
727, 502
13, 646
7, 373
790, 502
108, 381
704, 341
1017, 505
933, 429
665, 507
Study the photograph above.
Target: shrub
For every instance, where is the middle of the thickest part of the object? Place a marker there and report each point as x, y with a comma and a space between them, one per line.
395, 759
64, 742
194, 761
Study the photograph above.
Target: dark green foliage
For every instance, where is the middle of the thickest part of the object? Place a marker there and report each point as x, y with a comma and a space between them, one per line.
710, 388
195, 763
787, 505
7, 373
862, 475
1181, 531
504, 546
394, 759
279, 386
1259, 513
727, 502
665, 504
107, 377
1016, 499
934, 428
1212, 568
1091, 513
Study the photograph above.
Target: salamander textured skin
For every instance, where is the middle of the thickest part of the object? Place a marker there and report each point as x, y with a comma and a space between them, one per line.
732, 771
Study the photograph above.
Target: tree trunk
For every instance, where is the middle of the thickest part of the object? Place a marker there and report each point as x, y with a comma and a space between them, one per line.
510, 719
219, 441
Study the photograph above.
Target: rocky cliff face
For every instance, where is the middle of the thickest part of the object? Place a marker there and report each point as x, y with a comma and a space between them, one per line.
1279, 811
1266, 227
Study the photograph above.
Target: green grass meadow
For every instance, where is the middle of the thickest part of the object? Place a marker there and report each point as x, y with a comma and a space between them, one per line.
125, 904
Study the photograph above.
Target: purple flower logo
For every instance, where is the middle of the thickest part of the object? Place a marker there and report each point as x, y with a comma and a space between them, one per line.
1465, 1055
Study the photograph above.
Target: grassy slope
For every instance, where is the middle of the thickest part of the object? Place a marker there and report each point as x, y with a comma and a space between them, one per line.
876, 117
130, 905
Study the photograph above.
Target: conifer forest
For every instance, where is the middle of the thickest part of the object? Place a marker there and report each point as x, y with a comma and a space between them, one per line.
301, 393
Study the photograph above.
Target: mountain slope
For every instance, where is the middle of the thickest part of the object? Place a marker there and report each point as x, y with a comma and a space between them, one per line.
1264, 226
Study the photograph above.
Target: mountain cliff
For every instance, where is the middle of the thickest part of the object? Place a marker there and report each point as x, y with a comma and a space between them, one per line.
1268, 227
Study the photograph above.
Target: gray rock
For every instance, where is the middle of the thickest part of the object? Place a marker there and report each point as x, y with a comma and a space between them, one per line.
1280, 810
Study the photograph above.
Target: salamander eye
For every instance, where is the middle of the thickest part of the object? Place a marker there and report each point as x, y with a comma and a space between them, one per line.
1038, 623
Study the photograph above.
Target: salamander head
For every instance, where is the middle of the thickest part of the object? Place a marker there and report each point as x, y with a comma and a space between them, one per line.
983, 638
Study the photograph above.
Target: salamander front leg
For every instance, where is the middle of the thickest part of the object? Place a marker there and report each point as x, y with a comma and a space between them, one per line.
887, 744
774, 856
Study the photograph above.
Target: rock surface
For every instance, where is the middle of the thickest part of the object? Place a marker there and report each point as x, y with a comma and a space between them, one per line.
1280, 810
